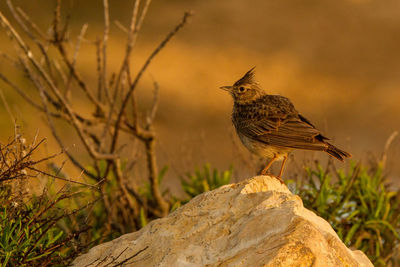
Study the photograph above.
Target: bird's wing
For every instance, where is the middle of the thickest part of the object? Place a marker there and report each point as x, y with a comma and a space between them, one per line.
292, 131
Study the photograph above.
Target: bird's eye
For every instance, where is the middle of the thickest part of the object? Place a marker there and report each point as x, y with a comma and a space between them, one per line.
241, 89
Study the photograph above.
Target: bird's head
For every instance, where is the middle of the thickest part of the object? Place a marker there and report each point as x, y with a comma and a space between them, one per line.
246, 89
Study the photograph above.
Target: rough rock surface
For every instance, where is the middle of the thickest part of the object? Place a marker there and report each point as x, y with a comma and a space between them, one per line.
257, 222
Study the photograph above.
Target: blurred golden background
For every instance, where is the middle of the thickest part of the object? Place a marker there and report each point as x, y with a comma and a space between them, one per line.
337, 60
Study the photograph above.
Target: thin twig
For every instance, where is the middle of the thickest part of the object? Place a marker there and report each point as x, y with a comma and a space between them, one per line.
124, 65
67, 92
389, 141
58, 139
61, 178
7, 106
41, 46
99, 71
14, 62
141, 19
77, 77
58, 41
55, 90
56, 21
104, 54
31, 23
60, 71
131, 257
152, 114
139, 75
35, 80
130, 43
121, 27
122, 185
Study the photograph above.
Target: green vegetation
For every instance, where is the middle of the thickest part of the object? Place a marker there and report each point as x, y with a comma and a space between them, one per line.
358, 204
204, 180
29, 232
30, 224
56, 225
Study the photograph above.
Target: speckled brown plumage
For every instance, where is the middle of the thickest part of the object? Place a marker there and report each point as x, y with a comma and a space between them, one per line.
270, 126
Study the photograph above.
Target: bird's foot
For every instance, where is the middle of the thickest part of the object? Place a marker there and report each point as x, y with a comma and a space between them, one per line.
279, 179
276, 177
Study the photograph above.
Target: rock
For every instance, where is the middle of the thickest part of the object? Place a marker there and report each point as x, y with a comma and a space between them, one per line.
257, 222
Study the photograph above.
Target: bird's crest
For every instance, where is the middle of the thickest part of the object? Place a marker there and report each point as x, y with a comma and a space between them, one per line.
247, 78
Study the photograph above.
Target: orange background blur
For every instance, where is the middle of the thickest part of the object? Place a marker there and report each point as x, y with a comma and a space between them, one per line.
337, 60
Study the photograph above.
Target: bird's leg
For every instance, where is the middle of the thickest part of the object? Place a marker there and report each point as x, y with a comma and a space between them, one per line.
264, 171
283, 166
281, 171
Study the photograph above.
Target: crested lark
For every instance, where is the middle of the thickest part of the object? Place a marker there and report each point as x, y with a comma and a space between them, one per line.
270, 127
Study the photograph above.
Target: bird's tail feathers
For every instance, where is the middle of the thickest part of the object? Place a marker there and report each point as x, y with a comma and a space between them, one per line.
337, 153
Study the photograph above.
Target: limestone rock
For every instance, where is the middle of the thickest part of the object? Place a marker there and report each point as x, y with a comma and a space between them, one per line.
257, 222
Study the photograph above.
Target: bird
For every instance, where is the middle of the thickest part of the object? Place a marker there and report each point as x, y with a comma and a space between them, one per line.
271, 127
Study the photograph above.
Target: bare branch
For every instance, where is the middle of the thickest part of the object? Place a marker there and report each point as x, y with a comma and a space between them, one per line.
153, 177
22, 93
77, 77
29, 100
152, 114
57, 21
120, 26
7, 107
142, 16
388, 143
67, 92
104, 54
139, 75
100, 132
55, 90
61, 178
124, 63
130, 42
41, 46
99, 70
58, 41
60, 71
31, 23
121, 183
35, 80
122, 69
60, 142
14, 62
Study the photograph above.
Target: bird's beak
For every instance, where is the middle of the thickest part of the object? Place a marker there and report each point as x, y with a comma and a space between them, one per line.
226, 88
